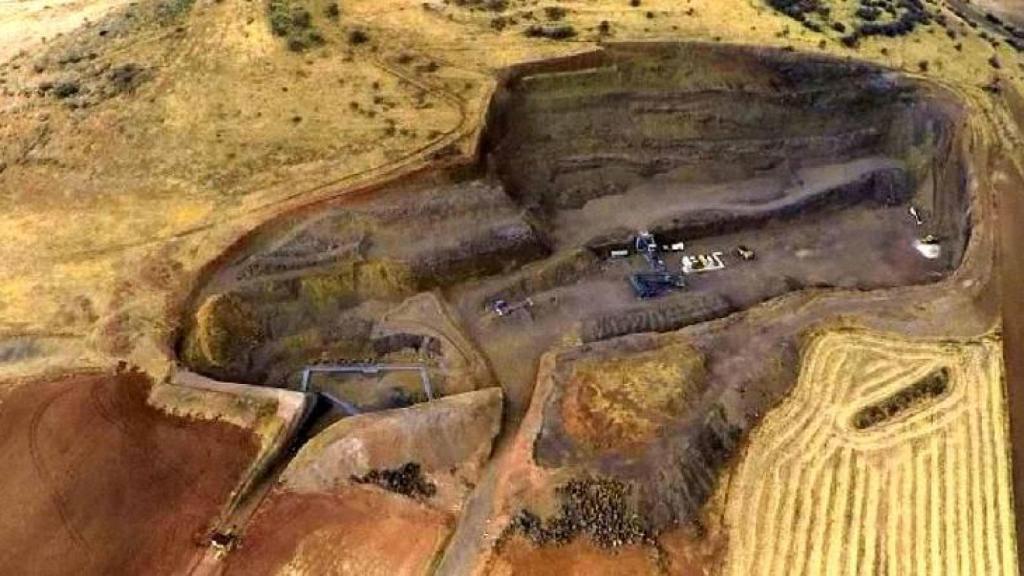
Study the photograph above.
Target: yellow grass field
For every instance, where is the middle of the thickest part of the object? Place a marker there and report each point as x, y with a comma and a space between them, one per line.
926, 492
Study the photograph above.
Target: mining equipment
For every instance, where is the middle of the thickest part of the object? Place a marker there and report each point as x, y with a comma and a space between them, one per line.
929, 247
653, 284
223, 542
647, 246
916, 215
658, 280
503, 308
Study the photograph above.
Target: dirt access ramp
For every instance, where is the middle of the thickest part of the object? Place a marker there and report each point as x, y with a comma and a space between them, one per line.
369, 482
98, 481
274, 417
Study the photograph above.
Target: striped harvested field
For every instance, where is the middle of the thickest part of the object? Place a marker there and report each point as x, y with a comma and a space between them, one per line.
923, 490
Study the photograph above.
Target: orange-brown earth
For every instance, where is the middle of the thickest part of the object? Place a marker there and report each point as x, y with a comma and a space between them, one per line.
357, 530
96, 481
579, 557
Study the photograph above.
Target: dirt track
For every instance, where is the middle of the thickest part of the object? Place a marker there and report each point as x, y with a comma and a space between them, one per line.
1011, 235
98, 482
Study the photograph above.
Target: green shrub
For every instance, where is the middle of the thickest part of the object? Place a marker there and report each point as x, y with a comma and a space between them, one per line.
170, 10
295, 23
280, 17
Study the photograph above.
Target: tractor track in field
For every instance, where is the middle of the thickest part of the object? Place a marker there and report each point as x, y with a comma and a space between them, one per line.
38, 463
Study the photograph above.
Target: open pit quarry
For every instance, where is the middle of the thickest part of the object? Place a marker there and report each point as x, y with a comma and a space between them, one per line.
658, 304
815, 162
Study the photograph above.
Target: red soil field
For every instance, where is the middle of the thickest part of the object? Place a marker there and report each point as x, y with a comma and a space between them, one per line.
95, 481
579, 557
356, 531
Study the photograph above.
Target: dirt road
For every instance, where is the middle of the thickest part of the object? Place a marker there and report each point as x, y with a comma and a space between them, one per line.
1011, 237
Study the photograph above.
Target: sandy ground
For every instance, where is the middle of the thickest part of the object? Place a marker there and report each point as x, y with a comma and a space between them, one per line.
24, 24
1012, 10
98, 482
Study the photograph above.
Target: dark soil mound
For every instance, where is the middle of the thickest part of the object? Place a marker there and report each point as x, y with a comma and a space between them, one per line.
407, 480
596, 507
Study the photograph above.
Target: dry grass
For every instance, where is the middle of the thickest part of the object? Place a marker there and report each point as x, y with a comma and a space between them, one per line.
927, 492
614, 403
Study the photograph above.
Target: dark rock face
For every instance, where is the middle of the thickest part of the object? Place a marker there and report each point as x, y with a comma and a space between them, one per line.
885, 187
318, 292
679, 489
404, 341
560, 141
505, 246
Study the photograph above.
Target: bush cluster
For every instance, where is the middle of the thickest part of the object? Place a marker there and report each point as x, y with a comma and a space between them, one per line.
295, 24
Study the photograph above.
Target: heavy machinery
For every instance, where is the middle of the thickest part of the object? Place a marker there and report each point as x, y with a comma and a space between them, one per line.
658, 280
653, 284
916, 215
504, 308
930, 247
647, 246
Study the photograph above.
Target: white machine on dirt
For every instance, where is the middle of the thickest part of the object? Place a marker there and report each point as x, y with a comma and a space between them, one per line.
929, 247
700, 263
502, 308
916, 215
